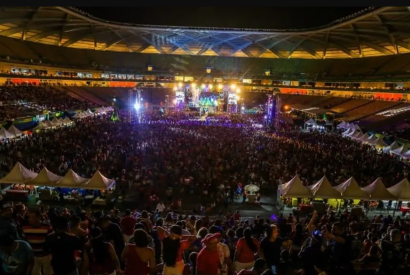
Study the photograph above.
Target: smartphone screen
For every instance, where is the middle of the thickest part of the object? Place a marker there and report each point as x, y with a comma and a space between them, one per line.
273, 269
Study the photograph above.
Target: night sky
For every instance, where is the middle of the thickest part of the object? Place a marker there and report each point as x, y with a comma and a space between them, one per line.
234, 17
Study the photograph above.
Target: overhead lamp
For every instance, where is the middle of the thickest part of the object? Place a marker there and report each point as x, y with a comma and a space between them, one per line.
267, 72
150, 68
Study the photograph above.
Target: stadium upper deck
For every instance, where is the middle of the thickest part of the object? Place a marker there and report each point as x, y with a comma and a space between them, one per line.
372, 32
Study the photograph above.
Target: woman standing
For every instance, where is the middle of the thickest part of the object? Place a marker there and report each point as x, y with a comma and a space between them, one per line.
100, 257
139, 258
246, 251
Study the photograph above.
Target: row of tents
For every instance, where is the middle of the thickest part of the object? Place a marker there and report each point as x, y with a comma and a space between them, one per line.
21, 175
12, 132
346, 190
97, 111
347, 126
49, 124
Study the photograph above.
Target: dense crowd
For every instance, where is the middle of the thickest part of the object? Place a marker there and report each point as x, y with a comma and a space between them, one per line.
20, 100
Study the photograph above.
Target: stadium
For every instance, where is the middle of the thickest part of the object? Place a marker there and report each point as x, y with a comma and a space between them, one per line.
191, 124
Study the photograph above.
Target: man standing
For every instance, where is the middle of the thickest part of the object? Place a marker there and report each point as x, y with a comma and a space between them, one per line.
208, 258
35, 234
62, 247
16, 256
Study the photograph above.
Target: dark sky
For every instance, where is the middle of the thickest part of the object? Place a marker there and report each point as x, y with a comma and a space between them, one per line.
234, 17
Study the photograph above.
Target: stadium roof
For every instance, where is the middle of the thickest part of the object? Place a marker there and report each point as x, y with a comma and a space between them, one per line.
372, 32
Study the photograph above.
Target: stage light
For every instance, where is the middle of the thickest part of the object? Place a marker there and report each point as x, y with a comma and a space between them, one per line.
233, 86
175, 101
238, 97
210, 86
193, 85
137, 106
203, 86
220, 86
286, 107
179, 84
238, 90
175, 88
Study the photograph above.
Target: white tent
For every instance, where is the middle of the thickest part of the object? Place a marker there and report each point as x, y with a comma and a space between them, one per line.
341, 125
40, 126
6, 134
406, 155
45, 178
294, 189
357, 127
71, 180
401, 190
399, 151
19, 175
55, 121
61, 121
15, 131
351, 126
379, 142
78, 115
357, 134
351, 133
378, 191
48, 124
310, 122
98, 182
351, 190
347, 132
323, 189
371, 138
391, 147
364, 137
67, 120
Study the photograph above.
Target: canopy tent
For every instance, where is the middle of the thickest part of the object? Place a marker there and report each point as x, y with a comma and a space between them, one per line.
357, 134
48, 123
40, 126
61, 121
371, 138
391, 147
347, 132
406, 155
16, 132
379, 142
351, 190
310, 122
399, 151
98, 182
5, 134
357, 127
378, 191
79, 115
251, 188
352, 126
45, 178
323, 189
19, 175
364, 137
67, 120
55, 121
401, 190
71, 180
341, 125
294, 189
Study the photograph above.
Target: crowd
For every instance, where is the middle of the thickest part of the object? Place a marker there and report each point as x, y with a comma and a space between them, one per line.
20, 100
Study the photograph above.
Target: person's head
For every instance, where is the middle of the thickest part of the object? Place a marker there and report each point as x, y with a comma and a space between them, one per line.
317, 237
141, 238
144, 214
175, 232
75, 222
60, 224
272, 232
104, 221
337, 229
202, 233
6, 244
230, 233
211, 241
159, 222
247, 233
395, 236
214, 230
354, 228
192, 259
34, 217
7, 210
116, 212
260, 266
127, 212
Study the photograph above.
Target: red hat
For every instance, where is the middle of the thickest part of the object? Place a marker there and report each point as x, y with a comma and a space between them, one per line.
210, 236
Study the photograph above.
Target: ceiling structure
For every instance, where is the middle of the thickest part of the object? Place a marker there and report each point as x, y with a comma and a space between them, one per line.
372, 32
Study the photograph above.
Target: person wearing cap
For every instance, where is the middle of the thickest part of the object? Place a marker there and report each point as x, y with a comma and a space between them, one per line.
8, 227
223, 251
173, 247
258, 268
16, 256
311, 255
208, 262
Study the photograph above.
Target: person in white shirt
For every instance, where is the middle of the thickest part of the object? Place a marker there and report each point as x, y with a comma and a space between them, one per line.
160, 206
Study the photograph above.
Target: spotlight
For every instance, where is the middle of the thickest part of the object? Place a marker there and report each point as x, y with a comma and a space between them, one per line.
137, 106
210, 86
179, 84
175, 101
238, 90
220, 86
193, 85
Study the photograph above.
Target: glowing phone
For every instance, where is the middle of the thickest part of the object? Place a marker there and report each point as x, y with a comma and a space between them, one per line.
273, 269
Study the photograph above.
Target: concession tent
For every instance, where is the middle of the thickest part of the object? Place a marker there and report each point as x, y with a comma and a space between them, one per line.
294, 189
67, 120
341, 125
391, 147
71, 180
323, 189
364, 137
379, 142
357, 134
55, 122
378, 191
401, 190
48, 124
347, 132
351, 190
40, 126
18, 175
352, 132
357, 127
6, 134
45, 178
99, 182
310, 122
371, 139
15, 131
399, 151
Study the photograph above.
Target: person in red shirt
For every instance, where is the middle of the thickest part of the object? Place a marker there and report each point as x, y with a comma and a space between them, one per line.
246, 249
127, 224
208, 262
237, 216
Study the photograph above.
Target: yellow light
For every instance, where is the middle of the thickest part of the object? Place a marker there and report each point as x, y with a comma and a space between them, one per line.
238, 97
238, 90
233, 86
175, 88
210, 86
203, 86
179, 84
220, 86
286, 107
193, 85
